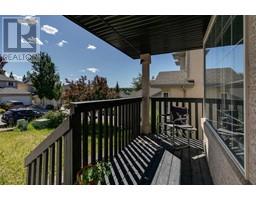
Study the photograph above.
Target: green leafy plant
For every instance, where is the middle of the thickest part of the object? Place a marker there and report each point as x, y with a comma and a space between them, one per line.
93, 174
2, 110
40, 123
55, 118
22, 124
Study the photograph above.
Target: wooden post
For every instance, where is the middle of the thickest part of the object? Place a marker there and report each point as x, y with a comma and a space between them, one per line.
145, 60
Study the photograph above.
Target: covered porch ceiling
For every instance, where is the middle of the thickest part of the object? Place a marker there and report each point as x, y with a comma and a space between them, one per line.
135, 35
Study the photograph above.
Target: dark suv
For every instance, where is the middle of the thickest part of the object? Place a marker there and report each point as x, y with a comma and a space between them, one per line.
11, 116
14, 104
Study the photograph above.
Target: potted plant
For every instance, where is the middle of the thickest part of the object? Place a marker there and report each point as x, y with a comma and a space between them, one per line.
93, 174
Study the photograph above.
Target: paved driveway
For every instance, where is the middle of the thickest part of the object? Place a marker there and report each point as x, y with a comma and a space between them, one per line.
1, 123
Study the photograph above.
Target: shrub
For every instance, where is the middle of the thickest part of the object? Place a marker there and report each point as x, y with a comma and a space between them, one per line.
2, 110
93, 174
22, 124
56, 118
40, 123
4, 106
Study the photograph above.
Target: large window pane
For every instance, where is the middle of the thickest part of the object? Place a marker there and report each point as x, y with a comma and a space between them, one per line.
224, 86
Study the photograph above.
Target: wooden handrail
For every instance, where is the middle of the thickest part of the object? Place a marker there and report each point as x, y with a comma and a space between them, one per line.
52, 138
114, 121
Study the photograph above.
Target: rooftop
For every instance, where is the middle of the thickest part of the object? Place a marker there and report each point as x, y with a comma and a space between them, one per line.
171, 78
5, 78
10, 90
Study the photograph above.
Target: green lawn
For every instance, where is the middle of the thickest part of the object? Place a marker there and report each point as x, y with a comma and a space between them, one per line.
14, 147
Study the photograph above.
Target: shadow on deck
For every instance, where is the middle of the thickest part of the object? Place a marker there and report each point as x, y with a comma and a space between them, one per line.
153, 160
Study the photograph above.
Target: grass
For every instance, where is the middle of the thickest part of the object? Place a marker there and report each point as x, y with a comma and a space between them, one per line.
14, 147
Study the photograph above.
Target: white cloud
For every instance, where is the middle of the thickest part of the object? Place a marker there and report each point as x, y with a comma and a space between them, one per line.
36, 40
92, 69
91, 47
61, 43
49, 29
16, 77
28, 20
32, 40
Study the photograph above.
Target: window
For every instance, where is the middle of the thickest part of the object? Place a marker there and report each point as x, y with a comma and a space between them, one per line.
224, 82
10, 84
165, 94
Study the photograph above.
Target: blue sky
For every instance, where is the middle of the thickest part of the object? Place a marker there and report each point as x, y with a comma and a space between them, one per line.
77, 52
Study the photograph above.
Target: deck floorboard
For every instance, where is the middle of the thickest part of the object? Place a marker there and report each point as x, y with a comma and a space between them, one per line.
154, 160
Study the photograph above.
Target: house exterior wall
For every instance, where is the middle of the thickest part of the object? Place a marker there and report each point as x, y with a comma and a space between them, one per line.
194, 69
222, 168
250, 97
25, 99
44, 102
23, 86
4, 84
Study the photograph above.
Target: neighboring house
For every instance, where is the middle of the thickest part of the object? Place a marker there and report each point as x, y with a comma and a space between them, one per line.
153, 92
224, 83
9, 91
7, 82
44, 102
188, 81
26, 86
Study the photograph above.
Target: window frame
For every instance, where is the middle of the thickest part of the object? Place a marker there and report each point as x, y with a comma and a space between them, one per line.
235, 161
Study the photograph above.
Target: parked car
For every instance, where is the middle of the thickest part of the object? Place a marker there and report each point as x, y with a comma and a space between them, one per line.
11, 116
14, 104
49, 107
39, 109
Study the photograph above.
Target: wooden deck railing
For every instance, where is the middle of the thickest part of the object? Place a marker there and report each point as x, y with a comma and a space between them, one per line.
162, 105
95, 131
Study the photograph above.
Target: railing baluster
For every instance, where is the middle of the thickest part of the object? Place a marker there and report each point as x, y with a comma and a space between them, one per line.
45, 167
100, 135
153, 116
115, 130
126, 125
210, 111
93, 138
76, 142
39, 170
196, 120
123, 126
189, 112
111, 133
33, 174
59, 162
52, 164
29, 174
106, 134
85, 134
218, 114
68, 179
133, 121
119, 128
139, 117
159, 117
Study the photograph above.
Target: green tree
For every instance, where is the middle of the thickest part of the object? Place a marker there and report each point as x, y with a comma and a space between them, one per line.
137, 82
11, 76
87, 90
2, 64
44, 77
117, 89
24, 78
